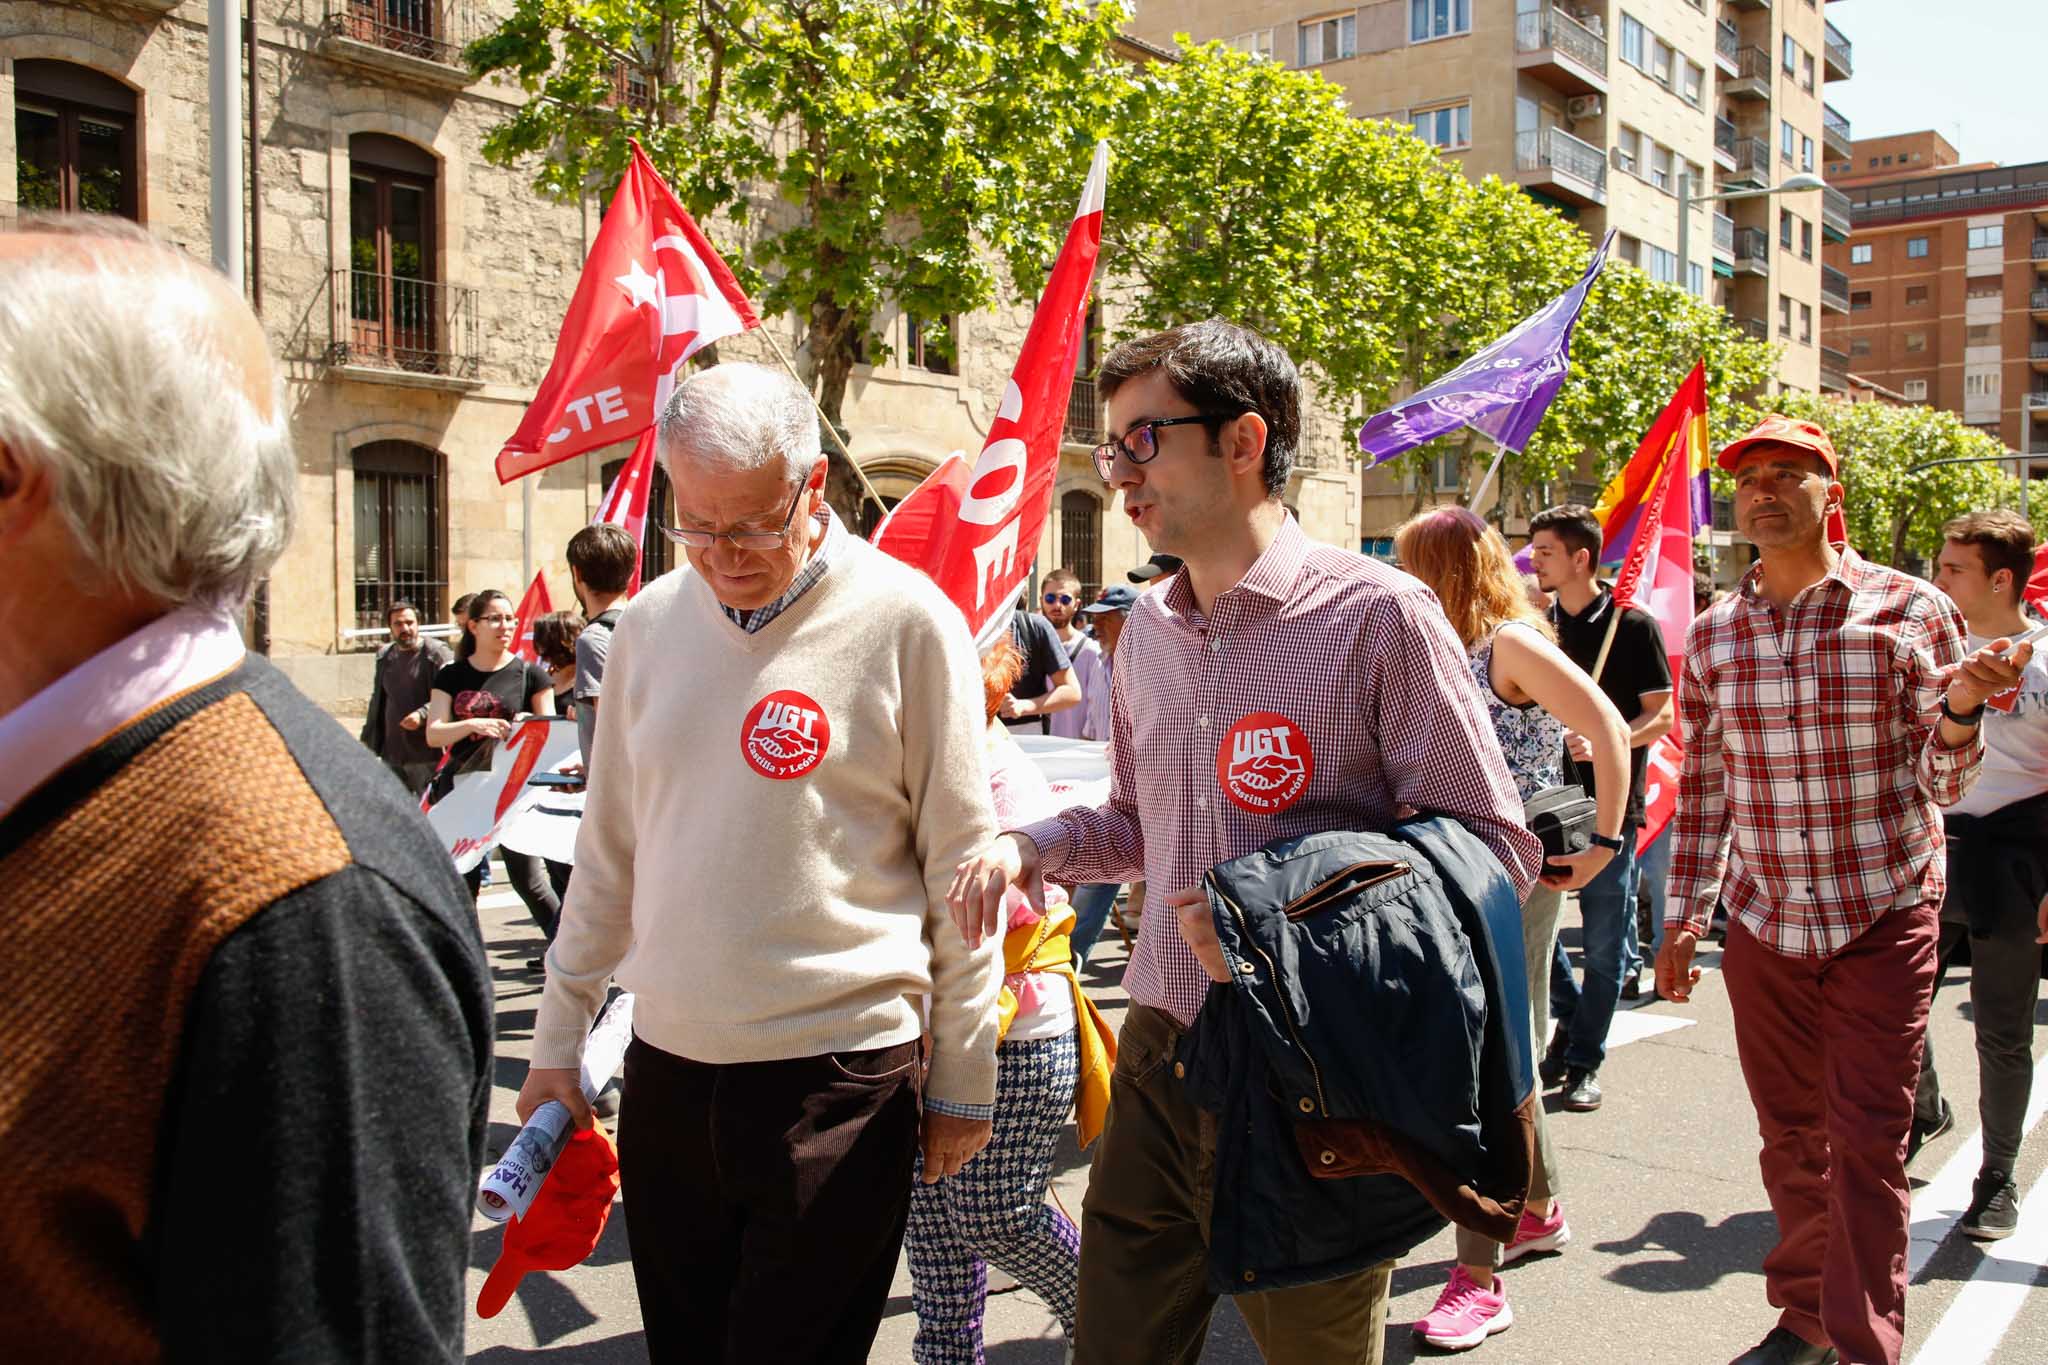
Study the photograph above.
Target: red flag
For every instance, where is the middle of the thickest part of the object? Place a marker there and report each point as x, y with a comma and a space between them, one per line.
625, 502
1657, 574
975, 531
532, 607
652, 294
2037, 587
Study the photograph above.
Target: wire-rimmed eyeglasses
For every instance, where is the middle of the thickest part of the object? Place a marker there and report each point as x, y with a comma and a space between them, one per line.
741, 540
1141, 443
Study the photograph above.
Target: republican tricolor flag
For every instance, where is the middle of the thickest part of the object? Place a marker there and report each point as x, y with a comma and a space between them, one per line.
652, 294
975, 529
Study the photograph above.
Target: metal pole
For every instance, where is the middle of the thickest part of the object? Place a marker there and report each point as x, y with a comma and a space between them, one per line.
224, 136
1685, 230
526, 530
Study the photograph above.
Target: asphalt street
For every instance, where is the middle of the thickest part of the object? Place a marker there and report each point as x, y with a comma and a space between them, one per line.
1668, 1217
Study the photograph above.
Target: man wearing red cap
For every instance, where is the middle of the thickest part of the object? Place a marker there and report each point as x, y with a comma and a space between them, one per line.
1829, 711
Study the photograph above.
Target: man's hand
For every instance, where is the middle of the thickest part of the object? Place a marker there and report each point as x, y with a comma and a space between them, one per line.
1991, 670
1016, 708
1578, 746
2041, 922
1576, 869
1191, 911
413, 720
1676, 976
980, 884
553, 1083
950, 1143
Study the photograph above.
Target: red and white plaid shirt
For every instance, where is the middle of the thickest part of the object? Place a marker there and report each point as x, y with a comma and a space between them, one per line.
1321, 692
1813, 758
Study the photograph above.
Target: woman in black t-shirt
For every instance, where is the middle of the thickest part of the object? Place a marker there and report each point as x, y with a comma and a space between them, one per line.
473, 703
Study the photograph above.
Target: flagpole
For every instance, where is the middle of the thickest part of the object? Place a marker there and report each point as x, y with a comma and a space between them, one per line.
830, 425
1499, 454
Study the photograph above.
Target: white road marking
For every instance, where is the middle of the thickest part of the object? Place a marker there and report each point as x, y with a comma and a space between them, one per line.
1632, 1026
1977, 1321
499, 900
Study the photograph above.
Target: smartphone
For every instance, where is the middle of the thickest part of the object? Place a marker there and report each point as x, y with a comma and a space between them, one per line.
553, 780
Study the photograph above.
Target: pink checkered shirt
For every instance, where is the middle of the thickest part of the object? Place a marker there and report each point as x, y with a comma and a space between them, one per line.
1813, 758
1321, 692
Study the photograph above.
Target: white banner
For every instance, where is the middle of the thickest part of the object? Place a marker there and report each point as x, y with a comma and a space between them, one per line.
1077, 770
483, 799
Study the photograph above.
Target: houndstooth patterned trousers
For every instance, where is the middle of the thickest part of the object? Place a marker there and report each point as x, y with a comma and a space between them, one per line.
994, 1211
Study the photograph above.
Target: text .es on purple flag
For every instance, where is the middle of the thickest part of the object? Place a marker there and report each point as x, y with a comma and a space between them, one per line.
1502, 391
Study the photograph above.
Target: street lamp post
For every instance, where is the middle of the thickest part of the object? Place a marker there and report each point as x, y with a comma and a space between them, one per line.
1686, 199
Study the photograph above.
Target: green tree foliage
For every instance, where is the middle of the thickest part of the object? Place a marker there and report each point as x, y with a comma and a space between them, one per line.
1893, 514
842, 152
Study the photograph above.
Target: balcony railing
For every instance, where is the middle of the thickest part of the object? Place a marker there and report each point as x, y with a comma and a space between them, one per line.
1724, 235
1834, 214
1558, 152
2036, 401
1834, 289
1752, 160
408, 326
1752, 250
1553, 28
1724, 136
2037, 350
1833, 125
1756, 329
2038, 301
427, 30
2040, 248
1997, 190
1834, 370
1728, 43
1839, 53
1085, 423
1752, 78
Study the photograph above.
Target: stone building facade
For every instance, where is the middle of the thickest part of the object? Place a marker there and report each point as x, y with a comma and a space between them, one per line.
415, 292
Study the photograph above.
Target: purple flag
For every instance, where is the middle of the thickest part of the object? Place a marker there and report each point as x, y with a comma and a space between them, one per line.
1502, 392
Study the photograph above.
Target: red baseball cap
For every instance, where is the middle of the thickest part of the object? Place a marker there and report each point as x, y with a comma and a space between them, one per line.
1777, 429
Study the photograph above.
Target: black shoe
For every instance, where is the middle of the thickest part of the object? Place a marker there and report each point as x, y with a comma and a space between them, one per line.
537, 964
1786, 1347
1994, 1208
1632, 989
1925, 1131
1582, 1090
1552, 1068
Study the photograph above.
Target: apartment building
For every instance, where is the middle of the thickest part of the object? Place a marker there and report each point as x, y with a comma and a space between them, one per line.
1597, 108
415, 291
1947, 272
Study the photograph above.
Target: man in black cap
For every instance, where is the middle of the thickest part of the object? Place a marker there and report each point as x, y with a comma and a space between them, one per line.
1154, 571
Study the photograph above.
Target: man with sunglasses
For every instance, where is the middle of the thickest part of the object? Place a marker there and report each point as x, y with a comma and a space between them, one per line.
789, 769
1063, 605
1046, 686
1272, 688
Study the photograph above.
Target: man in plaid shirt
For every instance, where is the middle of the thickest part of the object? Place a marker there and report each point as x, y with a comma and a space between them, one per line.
1828, 711
1273, 687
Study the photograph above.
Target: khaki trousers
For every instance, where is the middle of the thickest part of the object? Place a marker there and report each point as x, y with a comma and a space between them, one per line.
1145, 1236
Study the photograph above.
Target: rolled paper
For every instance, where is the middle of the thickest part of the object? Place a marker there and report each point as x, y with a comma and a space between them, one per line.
508, 1190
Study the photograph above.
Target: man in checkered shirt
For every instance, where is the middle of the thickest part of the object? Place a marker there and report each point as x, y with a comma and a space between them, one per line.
1828, 711
1273, 687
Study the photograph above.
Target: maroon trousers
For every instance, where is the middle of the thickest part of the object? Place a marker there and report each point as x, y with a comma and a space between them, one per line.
1831, 1052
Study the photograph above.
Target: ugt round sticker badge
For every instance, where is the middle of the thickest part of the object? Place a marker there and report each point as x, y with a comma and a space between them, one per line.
785, 735
1264, 763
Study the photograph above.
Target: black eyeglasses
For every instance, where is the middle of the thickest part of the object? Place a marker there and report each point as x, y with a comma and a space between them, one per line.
741, 540
1141, 443
1063, 599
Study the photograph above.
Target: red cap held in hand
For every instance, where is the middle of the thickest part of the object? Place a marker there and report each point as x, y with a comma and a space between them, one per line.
567, 1218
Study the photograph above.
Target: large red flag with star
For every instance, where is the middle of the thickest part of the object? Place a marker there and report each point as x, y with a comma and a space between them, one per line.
652, 294
975, 529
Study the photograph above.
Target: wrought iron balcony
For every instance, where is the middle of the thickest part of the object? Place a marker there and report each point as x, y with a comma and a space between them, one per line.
418, 332
1834, 131
418, 39
1724, 143
1752, 251
2040, 249
2038, 301
1752, 163
1724, 236
1727, 47
1085, 422
1556, 48
1752, 78
2037, 350
1838, 55
1756, 329
1834, 289
1552, 160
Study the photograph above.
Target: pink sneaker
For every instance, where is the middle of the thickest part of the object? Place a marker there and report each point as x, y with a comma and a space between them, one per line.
1465, 1314
1538, 1234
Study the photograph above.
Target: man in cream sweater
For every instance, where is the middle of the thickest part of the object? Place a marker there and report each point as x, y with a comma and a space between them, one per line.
789, 770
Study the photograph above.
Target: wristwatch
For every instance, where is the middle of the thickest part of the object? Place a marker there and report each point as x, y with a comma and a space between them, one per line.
1973, 718
1600, 840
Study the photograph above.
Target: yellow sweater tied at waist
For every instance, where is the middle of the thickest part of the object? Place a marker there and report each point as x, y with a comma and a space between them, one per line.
1046, 945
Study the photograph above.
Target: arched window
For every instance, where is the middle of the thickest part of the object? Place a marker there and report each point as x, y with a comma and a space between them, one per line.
392, 279
74, 137
657, 555
1081, 539
398, 531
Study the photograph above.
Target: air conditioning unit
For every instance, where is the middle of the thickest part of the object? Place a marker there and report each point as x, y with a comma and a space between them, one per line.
1583, 107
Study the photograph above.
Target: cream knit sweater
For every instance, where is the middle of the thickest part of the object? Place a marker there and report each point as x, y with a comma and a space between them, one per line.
771, 828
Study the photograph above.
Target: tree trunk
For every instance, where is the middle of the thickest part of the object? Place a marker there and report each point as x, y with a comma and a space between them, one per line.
829, 351
1900, 526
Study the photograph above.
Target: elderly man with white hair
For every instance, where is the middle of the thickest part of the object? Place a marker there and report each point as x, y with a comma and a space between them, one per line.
247, 1015
789, 768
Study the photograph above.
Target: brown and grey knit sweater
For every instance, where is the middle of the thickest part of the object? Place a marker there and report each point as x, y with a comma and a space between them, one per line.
248, 1040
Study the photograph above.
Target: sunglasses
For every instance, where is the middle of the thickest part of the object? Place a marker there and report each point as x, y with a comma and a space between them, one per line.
1062, 599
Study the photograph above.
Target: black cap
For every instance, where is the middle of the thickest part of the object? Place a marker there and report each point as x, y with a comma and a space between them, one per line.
1158, 566
1118, 598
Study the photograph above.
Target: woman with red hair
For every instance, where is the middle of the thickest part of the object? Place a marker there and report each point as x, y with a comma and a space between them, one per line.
1533, 693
